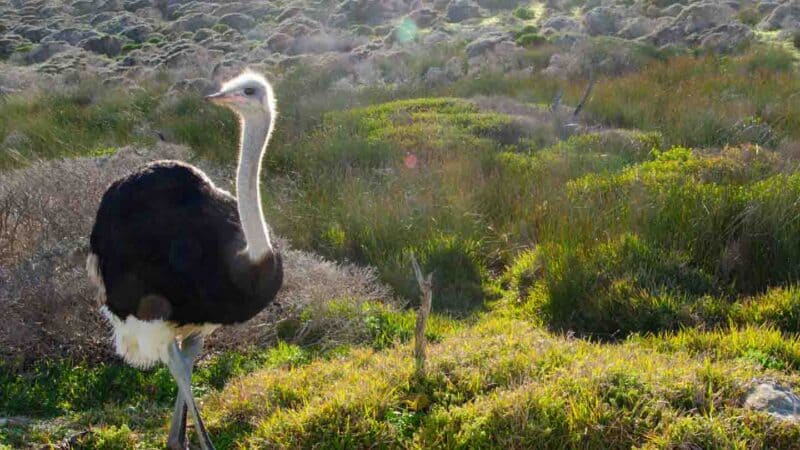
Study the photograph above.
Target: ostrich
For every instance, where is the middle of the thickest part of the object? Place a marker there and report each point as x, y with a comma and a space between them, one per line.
174, 257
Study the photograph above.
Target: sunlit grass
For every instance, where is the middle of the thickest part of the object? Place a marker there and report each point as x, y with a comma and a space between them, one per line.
671, 244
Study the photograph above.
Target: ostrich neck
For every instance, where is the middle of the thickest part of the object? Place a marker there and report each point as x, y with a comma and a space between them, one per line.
254, 138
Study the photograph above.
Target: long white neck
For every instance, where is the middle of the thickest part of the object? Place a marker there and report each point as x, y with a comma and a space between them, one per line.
255, 134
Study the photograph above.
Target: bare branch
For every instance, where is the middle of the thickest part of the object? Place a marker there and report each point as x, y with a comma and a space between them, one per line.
426, 299
585, 97
557, 101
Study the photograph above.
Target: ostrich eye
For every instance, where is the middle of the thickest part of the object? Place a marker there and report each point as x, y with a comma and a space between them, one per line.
249, 91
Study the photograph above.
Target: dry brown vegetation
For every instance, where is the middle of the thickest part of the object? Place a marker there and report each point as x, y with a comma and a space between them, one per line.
46, 212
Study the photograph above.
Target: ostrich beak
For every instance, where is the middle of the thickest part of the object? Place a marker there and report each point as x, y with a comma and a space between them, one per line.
215, 98
223, 97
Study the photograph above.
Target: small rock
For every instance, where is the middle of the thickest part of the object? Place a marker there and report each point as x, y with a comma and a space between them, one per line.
485, 44
92, 6
289, 13
702, 16
72, 35
435, 75
32, 33
202, 34
775, 400
238, 21
7, 47
601, 21
766, 7
435, 38
199, 85
461, 10
193, 22
672, 10
106, 45
42, 52
783, 17
498, 4
135, 5
15, 139
136, 33
727, 38
636, 27
423, 18
560, 24
280, 42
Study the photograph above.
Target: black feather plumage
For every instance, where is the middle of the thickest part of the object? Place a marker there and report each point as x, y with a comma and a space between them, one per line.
166, 232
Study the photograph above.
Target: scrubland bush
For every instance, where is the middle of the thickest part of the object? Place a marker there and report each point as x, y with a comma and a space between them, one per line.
769, 59
749, 16
618, 287
362, 156
524, 13
530, 40
647, 99
709, 227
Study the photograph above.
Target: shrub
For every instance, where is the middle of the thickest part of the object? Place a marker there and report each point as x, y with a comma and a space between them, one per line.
130, 46
727, 211
220, 28
361, 156
459, 270
778, 307
524, 13
109, 438
530, 40
749, 16
771, 58
618, 287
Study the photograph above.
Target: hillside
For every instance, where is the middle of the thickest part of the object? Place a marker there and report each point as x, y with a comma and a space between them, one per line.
620, 274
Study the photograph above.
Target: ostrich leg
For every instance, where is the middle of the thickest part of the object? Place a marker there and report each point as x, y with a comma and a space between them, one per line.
180, 368
190, 349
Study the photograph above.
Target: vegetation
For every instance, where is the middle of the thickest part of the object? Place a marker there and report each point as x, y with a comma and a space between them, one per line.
524, 13
502, 383
667, 237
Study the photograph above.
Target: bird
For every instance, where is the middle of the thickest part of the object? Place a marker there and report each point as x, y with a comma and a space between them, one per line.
173, 257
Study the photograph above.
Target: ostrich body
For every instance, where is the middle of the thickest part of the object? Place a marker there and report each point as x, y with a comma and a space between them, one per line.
174, 257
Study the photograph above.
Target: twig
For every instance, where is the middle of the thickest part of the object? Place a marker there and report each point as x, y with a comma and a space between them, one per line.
425, 286
557, 127
586, 94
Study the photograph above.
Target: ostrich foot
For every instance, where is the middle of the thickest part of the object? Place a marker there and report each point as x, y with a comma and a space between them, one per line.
191, 348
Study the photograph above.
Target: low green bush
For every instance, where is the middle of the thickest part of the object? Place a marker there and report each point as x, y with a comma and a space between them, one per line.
617, 287
530, 40
524, 13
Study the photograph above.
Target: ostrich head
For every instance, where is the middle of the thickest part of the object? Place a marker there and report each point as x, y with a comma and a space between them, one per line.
249, 95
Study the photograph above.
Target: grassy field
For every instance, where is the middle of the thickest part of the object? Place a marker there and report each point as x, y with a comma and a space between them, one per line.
621, 287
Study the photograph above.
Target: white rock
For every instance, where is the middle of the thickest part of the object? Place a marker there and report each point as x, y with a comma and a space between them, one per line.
775, 400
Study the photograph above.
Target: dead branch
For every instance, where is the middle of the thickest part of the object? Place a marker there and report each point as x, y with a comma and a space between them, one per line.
426, 299
585, 97
554, 109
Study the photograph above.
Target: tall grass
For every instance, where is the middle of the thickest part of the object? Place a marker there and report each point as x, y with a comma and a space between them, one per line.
468, 190
88, 120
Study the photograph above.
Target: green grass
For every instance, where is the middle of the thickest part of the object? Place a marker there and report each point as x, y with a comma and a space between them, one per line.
500, 383
81, 120
670, 244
